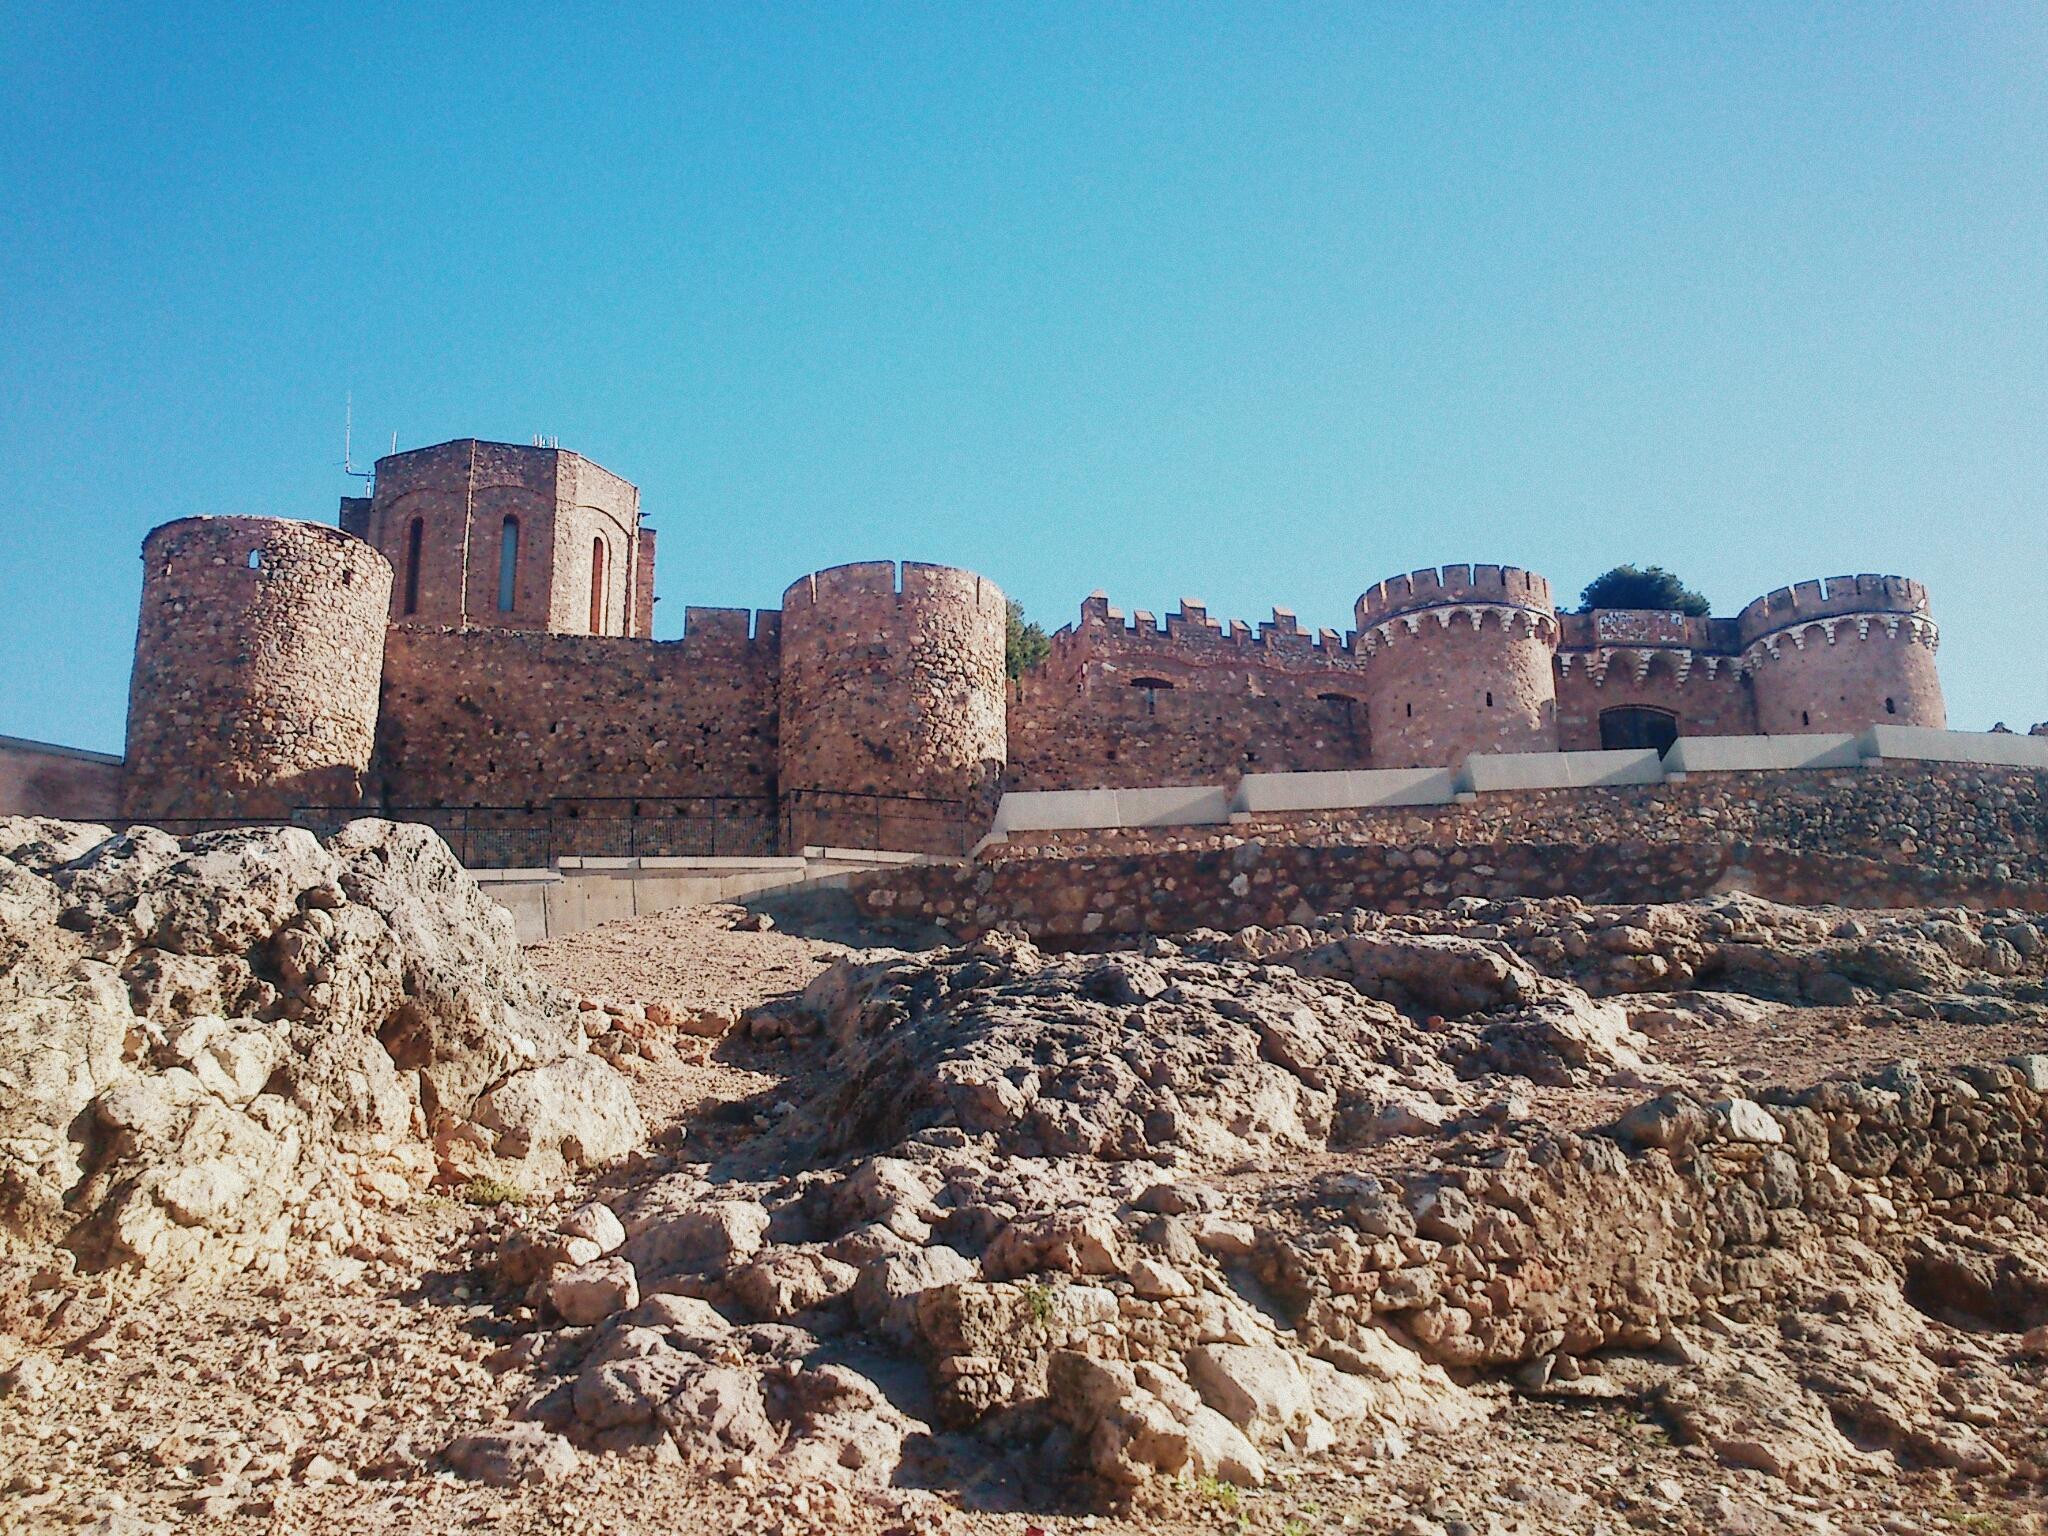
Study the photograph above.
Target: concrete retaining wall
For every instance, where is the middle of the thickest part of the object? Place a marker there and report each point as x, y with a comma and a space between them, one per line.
584, 892
1560, 770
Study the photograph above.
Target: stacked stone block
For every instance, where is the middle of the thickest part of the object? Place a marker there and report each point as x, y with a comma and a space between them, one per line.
257, 661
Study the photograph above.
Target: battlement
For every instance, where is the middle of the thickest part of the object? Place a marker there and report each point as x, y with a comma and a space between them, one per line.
1831, 597
734, 626
1438, 587
1204, 639
865, 580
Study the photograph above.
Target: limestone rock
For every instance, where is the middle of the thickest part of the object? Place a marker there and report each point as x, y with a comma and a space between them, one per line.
592, 1292
507, 1455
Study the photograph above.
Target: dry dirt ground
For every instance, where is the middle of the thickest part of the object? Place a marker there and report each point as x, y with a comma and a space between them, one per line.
321, 1402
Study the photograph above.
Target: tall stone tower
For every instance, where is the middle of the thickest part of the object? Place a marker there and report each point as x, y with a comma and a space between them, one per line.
257, 661
500, 536
1842, 654
892, 707
1461, 661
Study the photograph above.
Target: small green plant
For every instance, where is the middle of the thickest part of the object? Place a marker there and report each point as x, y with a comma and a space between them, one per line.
1983, 1521
494, 1192
1038, 1297
1295, 1527
1214, 1490
1025, 644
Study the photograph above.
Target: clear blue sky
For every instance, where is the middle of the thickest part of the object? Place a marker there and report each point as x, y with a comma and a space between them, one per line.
1255, 304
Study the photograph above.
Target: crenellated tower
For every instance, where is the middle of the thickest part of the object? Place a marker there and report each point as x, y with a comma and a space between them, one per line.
892, 706
1459, 660
1842, 654
257, 659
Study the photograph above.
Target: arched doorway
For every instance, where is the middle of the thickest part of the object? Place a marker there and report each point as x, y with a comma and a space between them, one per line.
1637, 726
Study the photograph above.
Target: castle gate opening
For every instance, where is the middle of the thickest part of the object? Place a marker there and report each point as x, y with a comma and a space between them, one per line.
1635, 726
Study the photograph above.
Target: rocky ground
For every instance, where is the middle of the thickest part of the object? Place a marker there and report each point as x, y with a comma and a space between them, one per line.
1513, 1217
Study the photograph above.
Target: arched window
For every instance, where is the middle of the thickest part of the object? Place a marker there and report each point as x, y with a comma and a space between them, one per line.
1633, 726
1153, 687
413, 536
255, 559
597, 586
508, 565
1891, 707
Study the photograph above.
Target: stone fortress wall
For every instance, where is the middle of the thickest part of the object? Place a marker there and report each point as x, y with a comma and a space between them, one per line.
1120, 705
519, 677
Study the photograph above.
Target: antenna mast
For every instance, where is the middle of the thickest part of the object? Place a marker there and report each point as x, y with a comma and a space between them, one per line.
348, 431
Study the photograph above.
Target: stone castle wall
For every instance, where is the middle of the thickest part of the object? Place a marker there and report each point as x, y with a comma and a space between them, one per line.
257, 660
38, 779
892, 704
1687, 666
525, 720
1191, 701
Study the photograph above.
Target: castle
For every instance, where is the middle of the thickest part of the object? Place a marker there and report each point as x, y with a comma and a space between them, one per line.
475, 640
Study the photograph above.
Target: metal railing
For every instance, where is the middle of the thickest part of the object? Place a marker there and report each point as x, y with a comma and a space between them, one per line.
534, 836
837, 818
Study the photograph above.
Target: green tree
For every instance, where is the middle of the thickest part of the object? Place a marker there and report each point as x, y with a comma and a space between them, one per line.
1650, 586
1025, 644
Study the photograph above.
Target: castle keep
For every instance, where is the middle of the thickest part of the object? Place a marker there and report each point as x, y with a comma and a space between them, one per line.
475, 640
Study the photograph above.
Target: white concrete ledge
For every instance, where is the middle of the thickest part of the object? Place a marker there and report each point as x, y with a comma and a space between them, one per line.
1080, 810
1751, 754
1560, 770
1343, 790
1914, 743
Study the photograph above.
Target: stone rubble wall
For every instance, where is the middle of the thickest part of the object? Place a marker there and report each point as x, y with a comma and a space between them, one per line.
1970, 822
486, 718
1874, 837
1097, 897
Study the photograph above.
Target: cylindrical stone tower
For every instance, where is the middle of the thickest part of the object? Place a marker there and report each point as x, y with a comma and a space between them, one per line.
257, 663
1460, 661
1842, 654
892, 707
